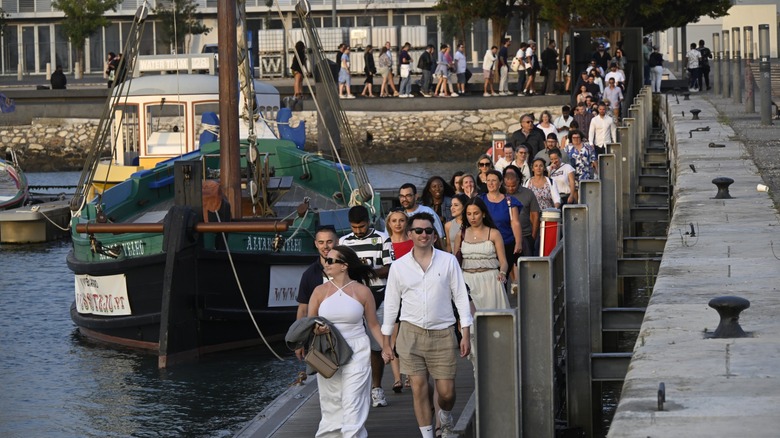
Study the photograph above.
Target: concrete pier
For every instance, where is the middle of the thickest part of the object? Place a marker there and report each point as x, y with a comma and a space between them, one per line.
713, 387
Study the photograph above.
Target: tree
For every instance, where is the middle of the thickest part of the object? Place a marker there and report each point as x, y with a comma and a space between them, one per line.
458, 15
651, 15
178, 21
3, 16
82, 19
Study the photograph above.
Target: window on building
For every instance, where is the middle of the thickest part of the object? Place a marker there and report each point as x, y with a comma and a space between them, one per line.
364, 21
11, 48
413, 20
380, 20
44, 45
346, 21
96, 54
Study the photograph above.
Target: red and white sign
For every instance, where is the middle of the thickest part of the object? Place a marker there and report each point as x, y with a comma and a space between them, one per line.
106, 295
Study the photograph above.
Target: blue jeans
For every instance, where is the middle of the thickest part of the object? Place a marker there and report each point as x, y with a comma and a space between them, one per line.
406, 85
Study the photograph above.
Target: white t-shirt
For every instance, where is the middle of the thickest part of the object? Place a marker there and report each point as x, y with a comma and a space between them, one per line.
488, 60
618, 75
693, 58
460, 62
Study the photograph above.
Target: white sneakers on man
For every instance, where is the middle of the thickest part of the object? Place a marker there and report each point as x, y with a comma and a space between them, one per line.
378, 397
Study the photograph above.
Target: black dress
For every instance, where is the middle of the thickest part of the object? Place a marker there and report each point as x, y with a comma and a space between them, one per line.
370, 68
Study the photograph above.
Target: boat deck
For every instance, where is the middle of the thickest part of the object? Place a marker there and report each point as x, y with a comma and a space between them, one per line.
296, 413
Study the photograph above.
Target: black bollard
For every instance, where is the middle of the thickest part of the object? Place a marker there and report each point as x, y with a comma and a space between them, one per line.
687, 95
695, 113
729, 308
723, 184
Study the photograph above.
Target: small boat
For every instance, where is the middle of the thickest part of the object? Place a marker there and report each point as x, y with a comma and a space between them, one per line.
201, 247
35, 222
14, 190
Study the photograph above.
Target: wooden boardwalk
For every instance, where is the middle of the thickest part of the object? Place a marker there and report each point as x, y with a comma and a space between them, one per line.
296, 413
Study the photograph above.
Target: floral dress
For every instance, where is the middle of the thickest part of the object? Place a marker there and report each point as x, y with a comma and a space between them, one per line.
582, 161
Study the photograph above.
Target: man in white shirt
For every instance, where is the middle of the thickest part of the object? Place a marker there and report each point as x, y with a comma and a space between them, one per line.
460, 68
427, 280
602, 130
693, 57
563, 123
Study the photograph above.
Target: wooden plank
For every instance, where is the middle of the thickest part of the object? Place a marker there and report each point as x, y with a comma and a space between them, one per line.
395, 420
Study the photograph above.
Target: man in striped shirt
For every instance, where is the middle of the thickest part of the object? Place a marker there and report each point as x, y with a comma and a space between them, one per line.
373, 248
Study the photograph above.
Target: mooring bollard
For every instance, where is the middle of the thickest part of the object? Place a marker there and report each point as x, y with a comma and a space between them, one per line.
729, 308
723, 184
687, 95
695, 113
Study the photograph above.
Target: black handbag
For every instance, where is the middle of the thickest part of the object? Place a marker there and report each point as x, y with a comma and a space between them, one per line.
322, 362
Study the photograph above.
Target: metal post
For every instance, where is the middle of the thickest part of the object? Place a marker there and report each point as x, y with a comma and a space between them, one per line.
578, 333
590, 195
537, 360
737, 82
716, 62
675, 48
498, 379
750, 81
766, 74
727, 63
608, 177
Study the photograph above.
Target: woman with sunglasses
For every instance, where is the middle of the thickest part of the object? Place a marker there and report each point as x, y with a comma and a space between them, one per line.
345, 300
484, 165
484, 259
437, 194
453, 227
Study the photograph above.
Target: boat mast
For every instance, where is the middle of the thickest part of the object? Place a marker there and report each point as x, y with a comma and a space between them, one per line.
229, 155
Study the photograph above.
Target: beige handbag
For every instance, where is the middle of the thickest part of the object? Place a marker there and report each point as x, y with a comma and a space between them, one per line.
322, 362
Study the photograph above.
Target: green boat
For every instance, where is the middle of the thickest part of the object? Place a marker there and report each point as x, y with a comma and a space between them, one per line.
165, 262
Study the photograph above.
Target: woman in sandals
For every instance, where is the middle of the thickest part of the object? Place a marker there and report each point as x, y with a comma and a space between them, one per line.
345, 300
402, 244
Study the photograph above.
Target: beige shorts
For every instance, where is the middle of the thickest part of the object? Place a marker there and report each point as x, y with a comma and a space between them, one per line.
423, 351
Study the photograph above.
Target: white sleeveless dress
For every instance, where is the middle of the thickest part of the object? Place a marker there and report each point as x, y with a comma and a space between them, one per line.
345, 398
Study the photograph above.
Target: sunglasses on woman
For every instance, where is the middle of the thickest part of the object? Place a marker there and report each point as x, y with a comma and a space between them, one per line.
484, 164
330, 261
428, 230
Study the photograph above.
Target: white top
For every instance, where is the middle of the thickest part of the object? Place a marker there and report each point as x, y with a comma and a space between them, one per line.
618, 75
488, 60
602, 131
426, 294
502, 163
460, 62
560, 177
693, 58
548, 130
559, 123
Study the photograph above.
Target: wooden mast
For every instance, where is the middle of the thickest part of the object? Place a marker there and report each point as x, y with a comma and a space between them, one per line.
230, 175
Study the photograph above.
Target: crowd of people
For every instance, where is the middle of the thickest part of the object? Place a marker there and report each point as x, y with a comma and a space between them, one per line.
446, 251
445, 73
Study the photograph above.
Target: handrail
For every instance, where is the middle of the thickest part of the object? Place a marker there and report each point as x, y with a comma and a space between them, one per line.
203, 227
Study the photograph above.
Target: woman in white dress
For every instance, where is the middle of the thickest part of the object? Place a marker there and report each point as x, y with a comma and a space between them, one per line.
345, 301
484, 260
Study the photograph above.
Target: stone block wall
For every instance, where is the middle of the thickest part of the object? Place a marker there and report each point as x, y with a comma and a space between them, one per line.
384, 137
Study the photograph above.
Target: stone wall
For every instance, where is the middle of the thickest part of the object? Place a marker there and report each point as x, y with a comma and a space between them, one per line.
397, 137
385, 137
50, 144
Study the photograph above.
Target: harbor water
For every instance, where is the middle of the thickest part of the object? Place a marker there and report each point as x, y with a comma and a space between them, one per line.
55, 383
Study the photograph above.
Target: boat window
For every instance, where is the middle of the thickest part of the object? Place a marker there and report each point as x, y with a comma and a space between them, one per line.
202, 125
126, 130
166, 129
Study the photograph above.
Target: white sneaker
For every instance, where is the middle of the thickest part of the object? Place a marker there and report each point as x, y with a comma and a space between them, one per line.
486, 94
403, 96
350, 96
378, 397
446, 426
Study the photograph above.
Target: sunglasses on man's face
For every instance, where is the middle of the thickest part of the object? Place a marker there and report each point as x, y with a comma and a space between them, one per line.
484, 164
331, 261
428, 230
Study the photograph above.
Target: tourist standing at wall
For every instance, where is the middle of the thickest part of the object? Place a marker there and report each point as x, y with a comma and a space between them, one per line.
503, 68
298, 62
370, 71
424, 64
406, 71
550, 68
692, 60
488, 64
520, 58
428, 280
704, 65
345, 77
460, 68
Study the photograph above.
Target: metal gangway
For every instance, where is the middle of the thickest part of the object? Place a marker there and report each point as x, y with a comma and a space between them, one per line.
539, 367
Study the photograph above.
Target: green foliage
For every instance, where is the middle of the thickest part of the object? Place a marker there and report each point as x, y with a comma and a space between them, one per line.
457, 17
3, 16
651, 15
82, 19
461, 13
178, 21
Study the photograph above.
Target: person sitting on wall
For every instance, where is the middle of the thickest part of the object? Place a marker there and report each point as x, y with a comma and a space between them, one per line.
58, 79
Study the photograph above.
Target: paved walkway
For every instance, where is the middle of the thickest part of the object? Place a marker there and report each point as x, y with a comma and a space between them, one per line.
714, 387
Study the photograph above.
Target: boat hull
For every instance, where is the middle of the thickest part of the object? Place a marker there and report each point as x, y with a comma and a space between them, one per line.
222, 321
